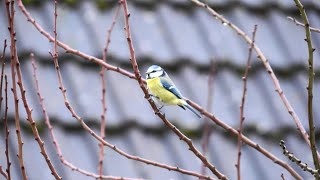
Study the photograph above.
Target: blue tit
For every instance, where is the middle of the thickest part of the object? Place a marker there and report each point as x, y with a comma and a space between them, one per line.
163, 91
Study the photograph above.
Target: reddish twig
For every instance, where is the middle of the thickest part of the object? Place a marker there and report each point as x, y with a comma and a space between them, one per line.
10, 15
207, 128
192, 148
3, 173
2, 58
244, 92
265, 63
5, 121
301, 24
103, 86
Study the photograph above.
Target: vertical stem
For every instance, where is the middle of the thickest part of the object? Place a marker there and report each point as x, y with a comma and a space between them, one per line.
5, 120
103, 87
244, 92
10, 14
207, 128
310, 85
2, 71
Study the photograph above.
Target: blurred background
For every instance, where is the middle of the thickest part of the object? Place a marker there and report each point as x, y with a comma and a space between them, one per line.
187, 42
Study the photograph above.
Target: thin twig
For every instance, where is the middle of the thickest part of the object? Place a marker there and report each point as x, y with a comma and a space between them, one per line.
3, 173
303, 25
133, 60
310, 85
293, 158
2, 58
243, 98
5, 121
282, 176
206, 126
10, 14
132, 76
103, 87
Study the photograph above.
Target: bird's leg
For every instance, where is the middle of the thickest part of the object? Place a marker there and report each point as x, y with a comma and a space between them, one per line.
161, 107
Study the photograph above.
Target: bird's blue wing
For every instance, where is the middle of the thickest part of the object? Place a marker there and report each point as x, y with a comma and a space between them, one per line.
168, 85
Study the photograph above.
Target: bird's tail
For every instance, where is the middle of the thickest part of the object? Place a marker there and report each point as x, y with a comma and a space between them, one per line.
192, 110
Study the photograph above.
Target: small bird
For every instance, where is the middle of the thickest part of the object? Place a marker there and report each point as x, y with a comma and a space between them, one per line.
163, 91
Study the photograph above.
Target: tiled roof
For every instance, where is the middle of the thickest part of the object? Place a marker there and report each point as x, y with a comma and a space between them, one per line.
184, 40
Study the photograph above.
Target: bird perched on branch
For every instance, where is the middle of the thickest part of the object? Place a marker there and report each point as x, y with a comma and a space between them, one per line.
163, 91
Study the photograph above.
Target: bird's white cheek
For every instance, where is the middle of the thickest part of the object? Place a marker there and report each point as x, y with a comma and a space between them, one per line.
155, 74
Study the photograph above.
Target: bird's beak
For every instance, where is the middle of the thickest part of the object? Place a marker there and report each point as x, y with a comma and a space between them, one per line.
147, 75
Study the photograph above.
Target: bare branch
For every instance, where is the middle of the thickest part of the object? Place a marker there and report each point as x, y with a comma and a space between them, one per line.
103, 87
2, 58
303, 25
310, 85
5, 120
207, 128
244, 92
10, 14
3, 173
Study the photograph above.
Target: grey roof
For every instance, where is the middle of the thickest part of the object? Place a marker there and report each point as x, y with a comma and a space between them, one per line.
184, 40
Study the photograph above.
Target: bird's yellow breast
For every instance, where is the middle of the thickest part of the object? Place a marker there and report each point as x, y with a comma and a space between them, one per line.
165, 96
